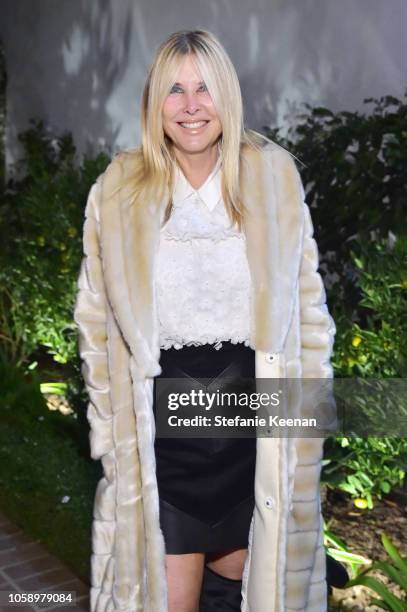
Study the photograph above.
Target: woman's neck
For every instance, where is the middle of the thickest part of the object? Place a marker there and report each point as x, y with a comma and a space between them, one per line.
197, 167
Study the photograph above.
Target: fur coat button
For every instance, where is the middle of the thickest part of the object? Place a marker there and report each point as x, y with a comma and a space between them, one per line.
269, 502
271, 357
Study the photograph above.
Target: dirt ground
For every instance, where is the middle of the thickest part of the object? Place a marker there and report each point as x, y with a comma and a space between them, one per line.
361, 530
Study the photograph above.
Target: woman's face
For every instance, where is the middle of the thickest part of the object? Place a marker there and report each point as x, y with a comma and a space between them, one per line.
189, 116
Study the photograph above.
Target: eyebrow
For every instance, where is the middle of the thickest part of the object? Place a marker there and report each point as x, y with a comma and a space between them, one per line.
198, 83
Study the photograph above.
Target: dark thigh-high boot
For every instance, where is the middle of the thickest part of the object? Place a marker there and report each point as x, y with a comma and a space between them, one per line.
220, 594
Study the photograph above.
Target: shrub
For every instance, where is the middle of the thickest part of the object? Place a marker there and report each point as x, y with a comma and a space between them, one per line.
355, 179
365, 467
374, 343
41, 219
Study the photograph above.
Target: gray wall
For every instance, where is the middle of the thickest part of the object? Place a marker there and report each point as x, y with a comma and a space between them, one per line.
81, 64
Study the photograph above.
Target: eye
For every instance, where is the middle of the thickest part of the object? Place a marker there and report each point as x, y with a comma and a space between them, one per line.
202, 87
175, 89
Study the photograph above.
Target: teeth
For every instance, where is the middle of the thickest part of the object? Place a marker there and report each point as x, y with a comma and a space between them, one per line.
193, 126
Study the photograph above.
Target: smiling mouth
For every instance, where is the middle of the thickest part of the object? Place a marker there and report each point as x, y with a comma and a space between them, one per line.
192, 125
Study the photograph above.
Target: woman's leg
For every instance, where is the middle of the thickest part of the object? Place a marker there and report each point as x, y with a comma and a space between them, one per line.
184, 581
227, 563
222, 582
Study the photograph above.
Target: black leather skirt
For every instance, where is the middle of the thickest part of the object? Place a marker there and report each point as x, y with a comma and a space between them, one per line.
206, 485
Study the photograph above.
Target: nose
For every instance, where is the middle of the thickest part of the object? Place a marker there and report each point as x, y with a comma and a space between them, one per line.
191, 102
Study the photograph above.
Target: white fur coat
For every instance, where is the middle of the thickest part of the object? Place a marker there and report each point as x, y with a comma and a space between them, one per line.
116, 314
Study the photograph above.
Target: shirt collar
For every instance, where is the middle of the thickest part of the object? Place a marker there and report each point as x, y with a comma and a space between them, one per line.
210, 192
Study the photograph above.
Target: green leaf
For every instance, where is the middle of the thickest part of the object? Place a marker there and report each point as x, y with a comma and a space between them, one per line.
347, 557
366, 479
334, 539
354, 480
380, 604
348, 488
397, 605
394, 553
58, 388
385, 486
393, 573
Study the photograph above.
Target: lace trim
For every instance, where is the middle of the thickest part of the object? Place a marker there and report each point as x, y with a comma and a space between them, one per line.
187, 236
179, 343
193, 220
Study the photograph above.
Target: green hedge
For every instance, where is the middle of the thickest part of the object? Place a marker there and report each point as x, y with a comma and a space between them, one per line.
41, 220
355, 177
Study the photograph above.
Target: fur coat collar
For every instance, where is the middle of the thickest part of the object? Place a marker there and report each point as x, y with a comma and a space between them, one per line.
130, 240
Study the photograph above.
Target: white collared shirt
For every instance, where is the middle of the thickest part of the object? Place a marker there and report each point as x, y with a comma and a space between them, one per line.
209, 192
203, 278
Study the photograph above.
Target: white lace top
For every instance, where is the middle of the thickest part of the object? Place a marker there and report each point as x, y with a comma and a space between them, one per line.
203, 278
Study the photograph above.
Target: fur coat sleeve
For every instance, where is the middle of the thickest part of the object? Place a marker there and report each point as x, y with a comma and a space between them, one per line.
90, 315
317, 326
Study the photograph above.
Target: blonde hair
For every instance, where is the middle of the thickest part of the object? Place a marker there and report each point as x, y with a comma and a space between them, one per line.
154, 173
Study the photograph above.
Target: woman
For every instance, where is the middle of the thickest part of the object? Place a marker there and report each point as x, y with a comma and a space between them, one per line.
199, 256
